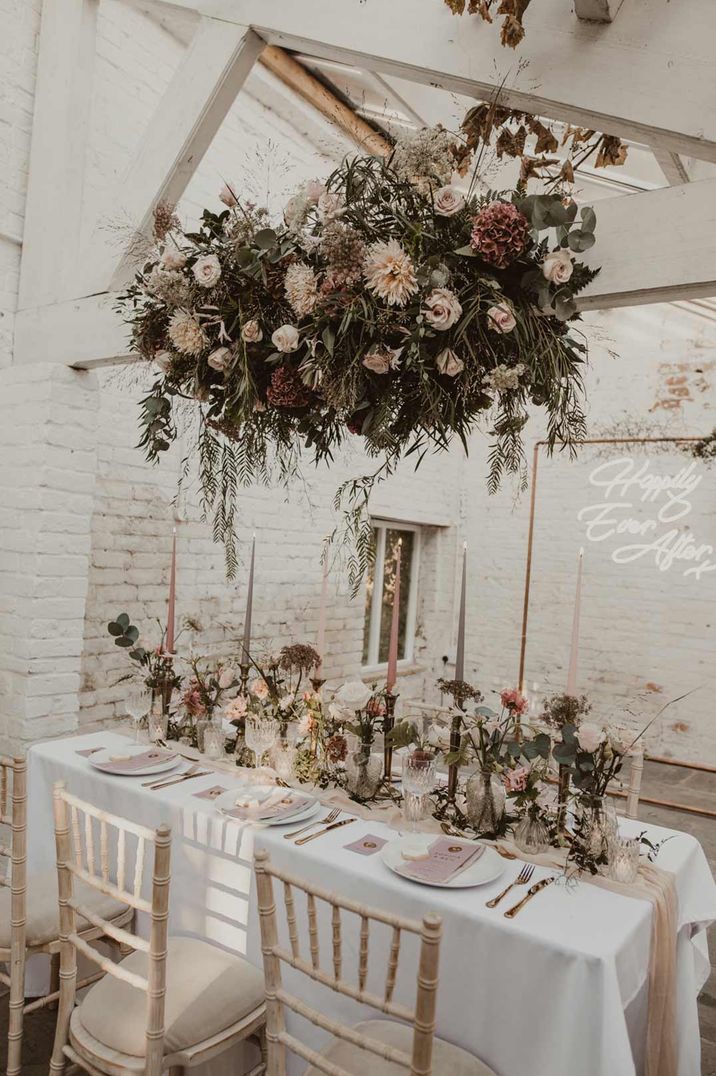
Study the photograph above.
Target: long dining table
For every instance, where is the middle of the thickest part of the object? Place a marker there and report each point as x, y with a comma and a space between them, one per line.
560, 989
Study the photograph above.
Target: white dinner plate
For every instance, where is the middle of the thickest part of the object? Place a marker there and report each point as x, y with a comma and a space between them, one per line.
109, 754
489, 866
227, 801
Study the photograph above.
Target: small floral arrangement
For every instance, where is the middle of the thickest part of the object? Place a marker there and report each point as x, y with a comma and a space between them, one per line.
206, 686
157, 665
360, 709
388, 304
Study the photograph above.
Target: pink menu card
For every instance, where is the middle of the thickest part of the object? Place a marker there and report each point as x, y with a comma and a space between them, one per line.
447, 857
134, 763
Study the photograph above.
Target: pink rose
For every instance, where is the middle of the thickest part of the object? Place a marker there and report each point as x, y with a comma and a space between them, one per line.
516, 780
236, 709
226, 677
313, 190
501, 318
259, 688
515, 702
207, 270
377, 361
330, 205
442, 309
448, 363
173, 258
227, 196
447, 201
557, 267
219, 359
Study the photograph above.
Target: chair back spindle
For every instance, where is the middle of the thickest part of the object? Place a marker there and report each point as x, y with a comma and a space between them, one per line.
422, 1016
13, 816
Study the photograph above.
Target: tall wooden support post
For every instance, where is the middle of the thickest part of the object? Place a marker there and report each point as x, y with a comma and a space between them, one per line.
388, 726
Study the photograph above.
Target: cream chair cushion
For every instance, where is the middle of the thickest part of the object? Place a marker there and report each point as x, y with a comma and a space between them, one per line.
208, 990
43, 915
448, 1060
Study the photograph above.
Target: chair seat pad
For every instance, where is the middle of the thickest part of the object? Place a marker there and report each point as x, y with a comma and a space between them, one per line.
448, 1060
208, 990
43, 915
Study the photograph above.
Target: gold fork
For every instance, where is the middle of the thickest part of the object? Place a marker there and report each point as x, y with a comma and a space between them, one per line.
330, 817
522, 879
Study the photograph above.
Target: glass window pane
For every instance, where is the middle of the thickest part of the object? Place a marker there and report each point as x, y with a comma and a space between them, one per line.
386, 613
370, 580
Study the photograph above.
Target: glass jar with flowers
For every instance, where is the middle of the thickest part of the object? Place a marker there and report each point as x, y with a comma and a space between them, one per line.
489, 739
204, 692
363, 709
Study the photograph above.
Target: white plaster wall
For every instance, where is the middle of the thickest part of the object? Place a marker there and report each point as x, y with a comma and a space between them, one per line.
647, 635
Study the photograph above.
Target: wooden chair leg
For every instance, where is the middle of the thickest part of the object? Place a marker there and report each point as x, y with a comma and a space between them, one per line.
54, 977
16, 1016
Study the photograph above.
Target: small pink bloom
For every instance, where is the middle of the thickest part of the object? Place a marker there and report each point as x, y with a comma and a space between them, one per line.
516, 780
501, 318
515, 702
259, 688
226, 677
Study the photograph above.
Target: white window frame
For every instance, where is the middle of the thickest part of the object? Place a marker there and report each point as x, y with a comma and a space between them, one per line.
382, 526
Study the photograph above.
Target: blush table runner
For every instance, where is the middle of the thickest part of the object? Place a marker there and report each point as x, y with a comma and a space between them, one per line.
562, 988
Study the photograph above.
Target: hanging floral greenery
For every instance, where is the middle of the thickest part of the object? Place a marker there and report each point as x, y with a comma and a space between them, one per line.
388, 305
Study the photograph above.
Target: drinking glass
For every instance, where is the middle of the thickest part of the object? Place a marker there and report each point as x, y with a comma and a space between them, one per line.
283, 759
418, 782
137, 702
261, 734
624, 859
157, 723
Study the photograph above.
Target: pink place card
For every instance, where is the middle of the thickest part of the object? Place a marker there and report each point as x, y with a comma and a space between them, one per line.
278, 806
134, 763
447, 857
366, 846
210, 793
85, 752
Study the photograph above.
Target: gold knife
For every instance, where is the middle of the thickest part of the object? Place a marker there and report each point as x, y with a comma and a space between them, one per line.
512, 912
336, 825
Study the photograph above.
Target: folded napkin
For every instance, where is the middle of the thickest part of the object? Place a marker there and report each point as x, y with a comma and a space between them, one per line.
275, 806
447, 857
134, 763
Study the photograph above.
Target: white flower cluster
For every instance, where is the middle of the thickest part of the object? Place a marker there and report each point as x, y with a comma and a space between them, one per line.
301, 287
425, 158
505, 378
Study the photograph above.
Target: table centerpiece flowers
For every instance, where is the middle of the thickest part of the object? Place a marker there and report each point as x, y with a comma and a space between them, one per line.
360, 709
388, 305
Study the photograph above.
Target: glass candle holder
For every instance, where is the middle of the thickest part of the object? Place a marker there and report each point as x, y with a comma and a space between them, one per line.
624, 859
157, 722
214, 741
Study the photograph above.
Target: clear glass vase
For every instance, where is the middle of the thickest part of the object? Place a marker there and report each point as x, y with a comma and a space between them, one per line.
485, 796
596, 826
531, 835
364, 772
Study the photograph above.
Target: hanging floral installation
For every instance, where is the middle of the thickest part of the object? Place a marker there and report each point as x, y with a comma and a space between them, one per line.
389, 305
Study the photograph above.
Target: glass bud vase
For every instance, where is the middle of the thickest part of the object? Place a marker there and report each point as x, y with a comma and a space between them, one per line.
531, 834
364, 772
485, 795
596, 825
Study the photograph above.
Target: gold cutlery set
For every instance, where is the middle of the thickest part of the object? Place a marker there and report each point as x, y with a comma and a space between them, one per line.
328, 823
523, 878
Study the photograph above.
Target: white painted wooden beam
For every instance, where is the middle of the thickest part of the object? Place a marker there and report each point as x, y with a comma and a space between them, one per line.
648, 76
63, 93
656, 246
84, 333
673, 167
597, 10
196, 102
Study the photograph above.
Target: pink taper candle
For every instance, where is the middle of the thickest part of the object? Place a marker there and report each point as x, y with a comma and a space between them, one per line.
574, 651
322, 614
249, 604
394, 624
171, 605
460, 647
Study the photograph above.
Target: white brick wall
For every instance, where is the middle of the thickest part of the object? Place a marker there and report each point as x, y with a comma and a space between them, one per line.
85, 524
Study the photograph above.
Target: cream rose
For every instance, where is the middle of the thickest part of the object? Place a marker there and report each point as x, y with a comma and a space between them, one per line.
173, 259
251, 332
163, 359
226, 677
501, 318
259, 687
354, 695
313, 190
285, 338
447, 201
219, 359
448, 363
557, 267
442, 309
330, 205
377, 361
227, 196
207, 270
589, 737
439, 737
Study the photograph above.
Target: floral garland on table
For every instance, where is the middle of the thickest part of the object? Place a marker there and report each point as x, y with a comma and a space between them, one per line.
388, 305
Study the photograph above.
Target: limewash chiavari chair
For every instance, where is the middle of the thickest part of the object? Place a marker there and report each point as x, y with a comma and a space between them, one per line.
633, 790
382, 1047
173, 1003
28, 915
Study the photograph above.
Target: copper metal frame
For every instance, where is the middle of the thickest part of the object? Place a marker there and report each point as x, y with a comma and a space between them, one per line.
660, 759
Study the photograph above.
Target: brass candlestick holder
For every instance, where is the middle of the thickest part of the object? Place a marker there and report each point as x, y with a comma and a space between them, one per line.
388, 726
244, 669
165, 683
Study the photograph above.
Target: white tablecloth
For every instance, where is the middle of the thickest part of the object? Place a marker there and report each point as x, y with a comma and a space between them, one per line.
561, 989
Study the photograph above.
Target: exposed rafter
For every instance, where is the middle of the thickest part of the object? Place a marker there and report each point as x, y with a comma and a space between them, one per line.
294, 75
663, 93
671, 164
